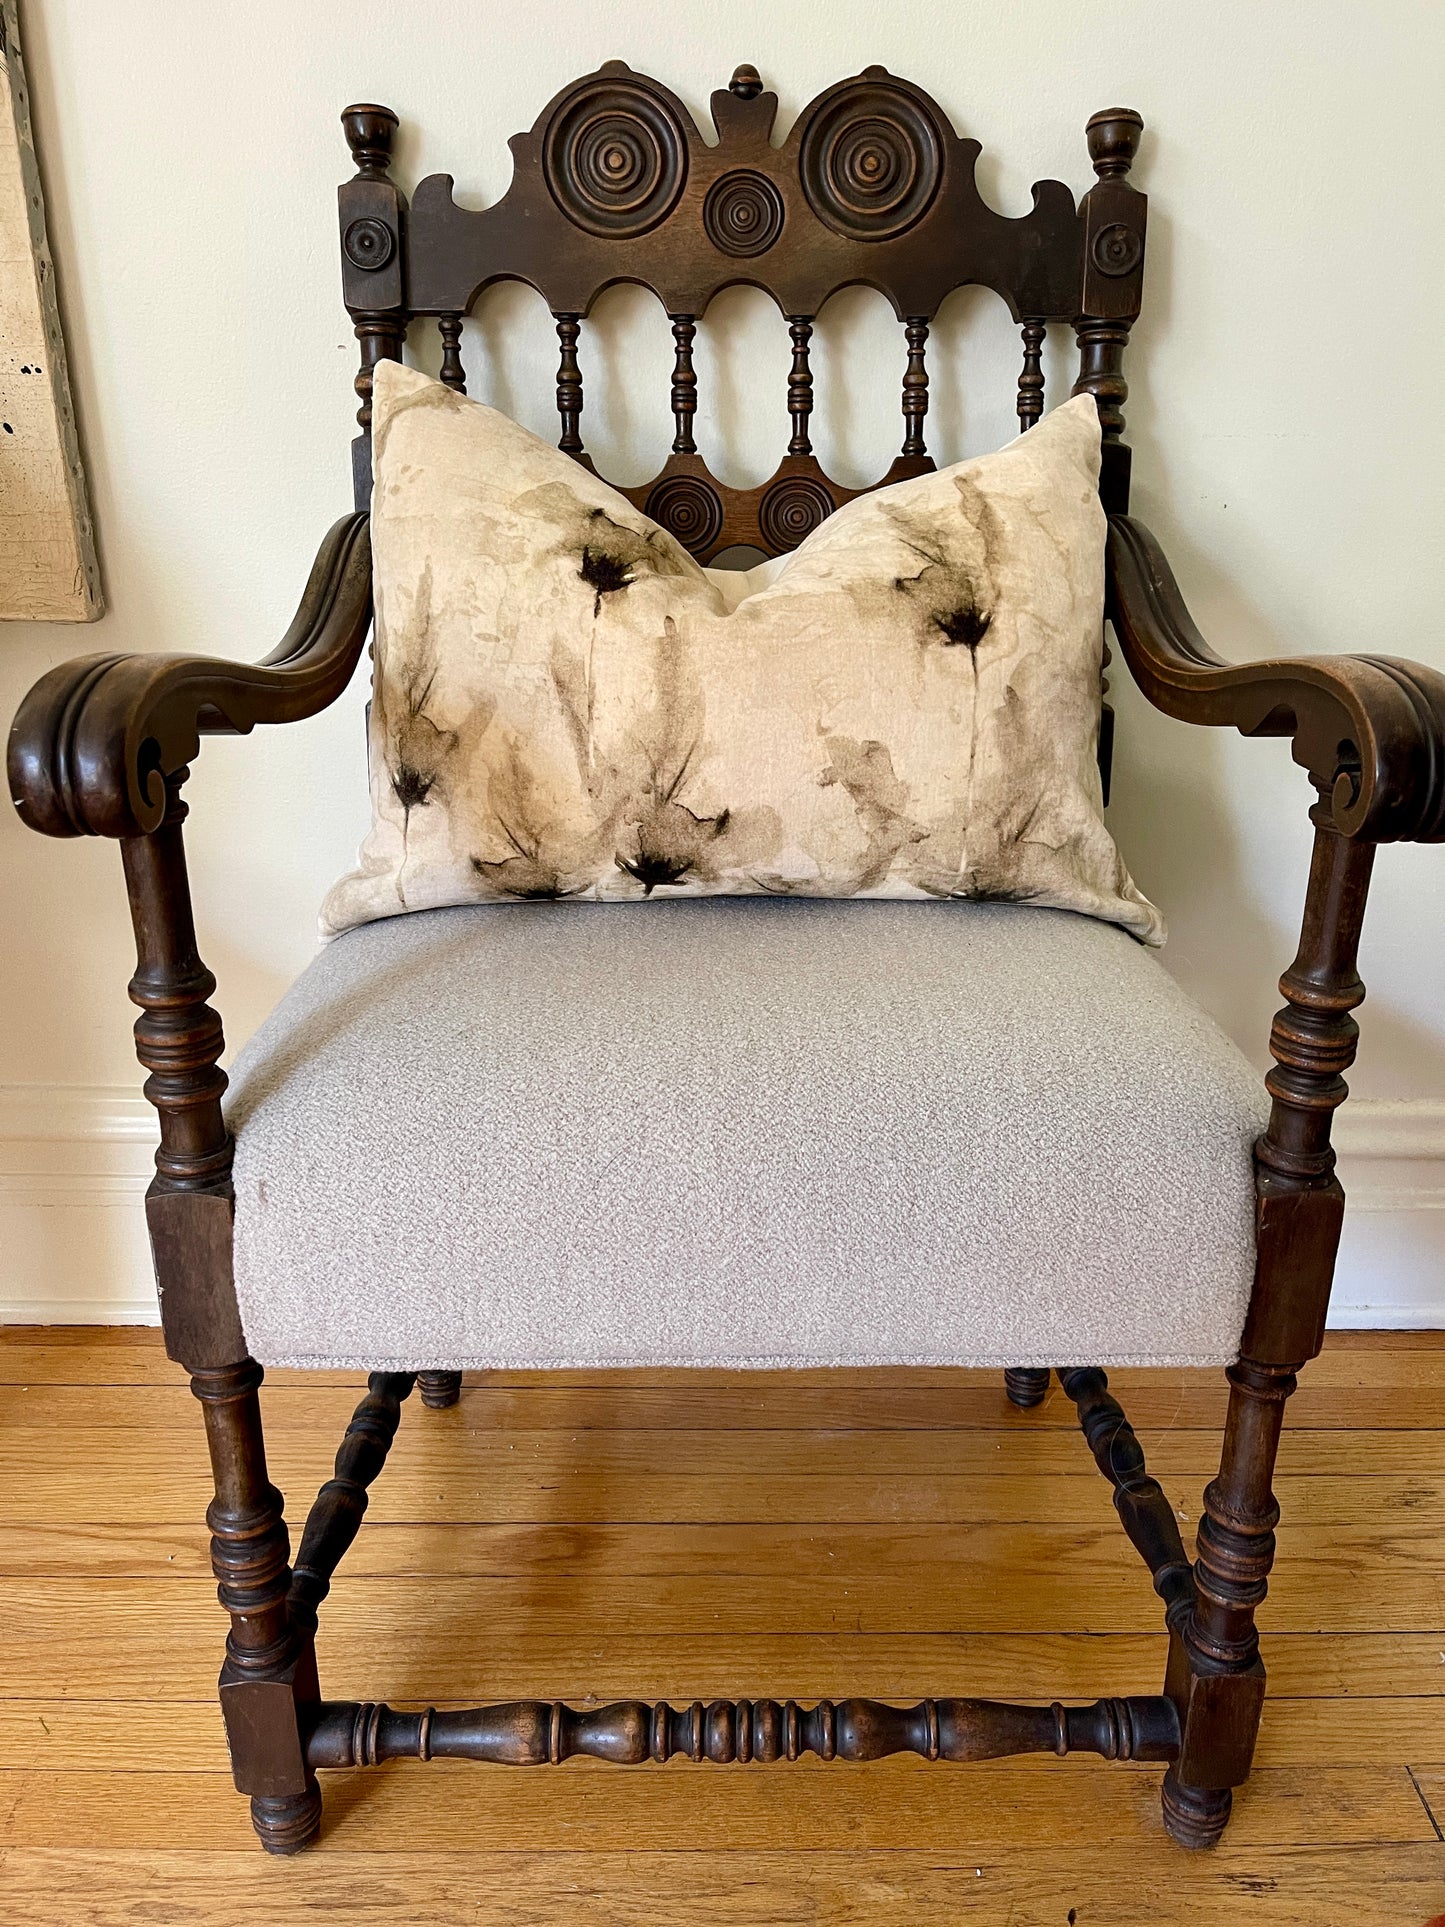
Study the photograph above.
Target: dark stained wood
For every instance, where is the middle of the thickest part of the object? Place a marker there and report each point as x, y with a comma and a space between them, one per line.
1031, 376
614, 182
349, 1733
449, 326
1026, 1385
1144, 1509
439, 1389
684, 385
372, 268
270, 1670
569, 384
95, 740
800, 384
1215, 1672
1369, 729
179, 1040
335, 1518
915, 387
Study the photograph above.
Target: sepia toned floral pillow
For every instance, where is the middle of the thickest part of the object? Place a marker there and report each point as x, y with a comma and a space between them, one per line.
566, 705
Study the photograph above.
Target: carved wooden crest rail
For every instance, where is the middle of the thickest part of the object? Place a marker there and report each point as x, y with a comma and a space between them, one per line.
872, 185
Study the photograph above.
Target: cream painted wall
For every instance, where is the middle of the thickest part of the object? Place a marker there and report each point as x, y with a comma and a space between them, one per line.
1285, 413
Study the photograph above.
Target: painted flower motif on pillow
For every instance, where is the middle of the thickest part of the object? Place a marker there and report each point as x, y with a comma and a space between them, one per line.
566, 705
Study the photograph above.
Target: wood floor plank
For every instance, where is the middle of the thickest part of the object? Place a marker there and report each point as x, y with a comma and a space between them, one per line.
632, 1403
678, 1535
890, 1578
806, 1808
455, 1475
1152, 1885
438, 1447
425, 1639
847, 1588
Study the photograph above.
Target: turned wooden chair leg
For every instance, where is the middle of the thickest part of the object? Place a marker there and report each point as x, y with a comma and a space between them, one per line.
1026, 1384
1215, 1673
270, 1668
439, 1389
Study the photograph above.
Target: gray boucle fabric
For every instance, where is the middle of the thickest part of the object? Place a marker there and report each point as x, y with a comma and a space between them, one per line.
741, 1132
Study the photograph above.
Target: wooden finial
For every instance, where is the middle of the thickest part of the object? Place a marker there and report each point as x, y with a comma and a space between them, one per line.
369, 133
746, 83
1113, 137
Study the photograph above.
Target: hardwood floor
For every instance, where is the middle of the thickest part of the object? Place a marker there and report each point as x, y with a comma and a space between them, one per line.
674, 1534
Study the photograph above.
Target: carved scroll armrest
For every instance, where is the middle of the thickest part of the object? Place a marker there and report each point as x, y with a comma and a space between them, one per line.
95, 739
1369, 729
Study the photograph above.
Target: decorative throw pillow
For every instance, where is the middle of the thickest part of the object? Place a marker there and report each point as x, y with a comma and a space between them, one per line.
566, 705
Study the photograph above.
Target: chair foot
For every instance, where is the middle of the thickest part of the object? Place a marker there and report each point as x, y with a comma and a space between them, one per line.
1195, 1816
288, 1823
1026, 1384
439, 1389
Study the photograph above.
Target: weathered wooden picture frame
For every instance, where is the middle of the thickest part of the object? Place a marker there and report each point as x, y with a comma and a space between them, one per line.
48, 566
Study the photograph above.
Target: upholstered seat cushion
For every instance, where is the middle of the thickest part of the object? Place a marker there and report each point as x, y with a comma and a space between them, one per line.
741, 1132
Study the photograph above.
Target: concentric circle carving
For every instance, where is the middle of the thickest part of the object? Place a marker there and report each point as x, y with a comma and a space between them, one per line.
689, 510
615, 159
368, 243
1117, 249
871, 161
743, 213
791, 510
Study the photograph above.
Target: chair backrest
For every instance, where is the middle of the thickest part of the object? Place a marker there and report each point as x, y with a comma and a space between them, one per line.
873, 186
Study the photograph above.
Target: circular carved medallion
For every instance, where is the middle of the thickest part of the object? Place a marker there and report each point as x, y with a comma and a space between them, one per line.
791, 510
368, 243
743, 213
1117, 249
615, 159
688, 509
871, 161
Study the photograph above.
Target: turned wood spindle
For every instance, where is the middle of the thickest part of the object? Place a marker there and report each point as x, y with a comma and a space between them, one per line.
335, 1518
1312, 1041
684, 384
439, 1389
800, 384
1114, 244
1031, 378
569, 384
178, 1036
347, 1733
1101, 371
269, 1664
1314, 1037
1026, 1385
449, 326
915, 386
1144, 1509
380, 333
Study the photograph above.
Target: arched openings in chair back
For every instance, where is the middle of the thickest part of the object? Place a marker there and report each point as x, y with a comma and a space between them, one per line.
872, 185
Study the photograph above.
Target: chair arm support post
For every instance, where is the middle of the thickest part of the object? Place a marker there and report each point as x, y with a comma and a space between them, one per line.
94, 741
179, 1040
1300, 1204
1215, 1674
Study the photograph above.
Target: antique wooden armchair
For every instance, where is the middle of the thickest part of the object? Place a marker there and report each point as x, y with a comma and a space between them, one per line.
615, 183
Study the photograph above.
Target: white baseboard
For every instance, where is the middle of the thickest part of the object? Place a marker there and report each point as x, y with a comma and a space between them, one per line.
75, 1162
